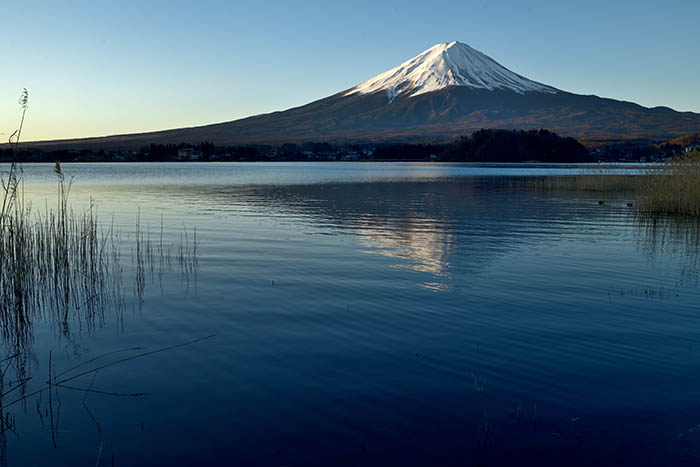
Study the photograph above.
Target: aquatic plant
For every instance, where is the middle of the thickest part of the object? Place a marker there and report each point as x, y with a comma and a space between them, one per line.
598, 180
669, 188
63, 265
11, 185
674, 187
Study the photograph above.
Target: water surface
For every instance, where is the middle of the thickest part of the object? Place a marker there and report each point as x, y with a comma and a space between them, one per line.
375, 314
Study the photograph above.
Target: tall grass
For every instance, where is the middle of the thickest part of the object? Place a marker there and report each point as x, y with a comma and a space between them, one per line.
65, 265
600, 180
673, 188
669, 188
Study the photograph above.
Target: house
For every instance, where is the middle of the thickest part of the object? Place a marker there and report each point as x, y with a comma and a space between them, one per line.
188, 154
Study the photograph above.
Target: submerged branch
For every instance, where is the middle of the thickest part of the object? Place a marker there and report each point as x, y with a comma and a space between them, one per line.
52, 381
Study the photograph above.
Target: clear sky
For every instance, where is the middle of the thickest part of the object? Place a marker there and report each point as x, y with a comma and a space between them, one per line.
106, 67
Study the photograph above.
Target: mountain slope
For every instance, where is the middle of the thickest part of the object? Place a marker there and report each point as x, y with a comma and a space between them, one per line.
448, 90
445, 65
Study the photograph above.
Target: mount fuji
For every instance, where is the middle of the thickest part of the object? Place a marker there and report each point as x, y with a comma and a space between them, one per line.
449, 90
445, 65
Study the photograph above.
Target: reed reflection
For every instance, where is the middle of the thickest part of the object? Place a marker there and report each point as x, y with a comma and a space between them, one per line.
64, 268
661, 237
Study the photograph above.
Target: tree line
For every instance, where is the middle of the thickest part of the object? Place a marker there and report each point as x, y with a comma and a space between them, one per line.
486, 145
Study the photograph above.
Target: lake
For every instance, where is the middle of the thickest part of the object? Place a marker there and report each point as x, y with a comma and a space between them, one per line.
365, 314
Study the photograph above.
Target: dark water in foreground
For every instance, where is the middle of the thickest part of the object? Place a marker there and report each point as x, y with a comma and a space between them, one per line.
374, 314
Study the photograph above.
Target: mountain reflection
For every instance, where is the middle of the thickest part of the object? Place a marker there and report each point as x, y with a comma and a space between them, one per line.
409, 222
427, 249
445, 229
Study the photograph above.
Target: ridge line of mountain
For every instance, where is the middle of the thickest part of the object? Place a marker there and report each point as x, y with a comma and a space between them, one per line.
441, 94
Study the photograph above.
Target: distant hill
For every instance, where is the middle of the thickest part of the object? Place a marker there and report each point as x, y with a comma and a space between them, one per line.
516, 146
686, 140
445, 92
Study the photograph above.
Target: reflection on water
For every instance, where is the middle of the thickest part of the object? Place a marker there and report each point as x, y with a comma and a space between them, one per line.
406, 221
368, 315
662, 236
421, 224
426, 250
424, 225
59, 273
81, 283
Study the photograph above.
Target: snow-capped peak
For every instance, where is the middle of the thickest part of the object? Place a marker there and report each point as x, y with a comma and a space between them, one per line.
448, 64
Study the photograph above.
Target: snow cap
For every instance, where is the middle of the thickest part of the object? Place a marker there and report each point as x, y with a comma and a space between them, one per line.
448, 64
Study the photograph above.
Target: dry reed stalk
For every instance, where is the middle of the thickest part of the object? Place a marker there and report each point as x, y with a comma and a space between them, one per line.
671, 188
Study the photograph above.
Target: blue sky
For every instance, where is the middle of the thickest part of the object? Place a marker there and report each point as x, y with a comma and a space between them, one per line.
105, 67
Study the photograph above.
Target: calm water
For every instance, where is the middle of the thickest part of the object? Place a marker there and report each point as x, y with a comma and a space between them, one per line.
373, 314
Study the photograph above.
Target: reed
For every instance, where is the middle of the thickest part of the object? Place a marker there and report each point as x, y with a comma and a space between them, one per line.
669, 188
601, 180
673, 188
64, 265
